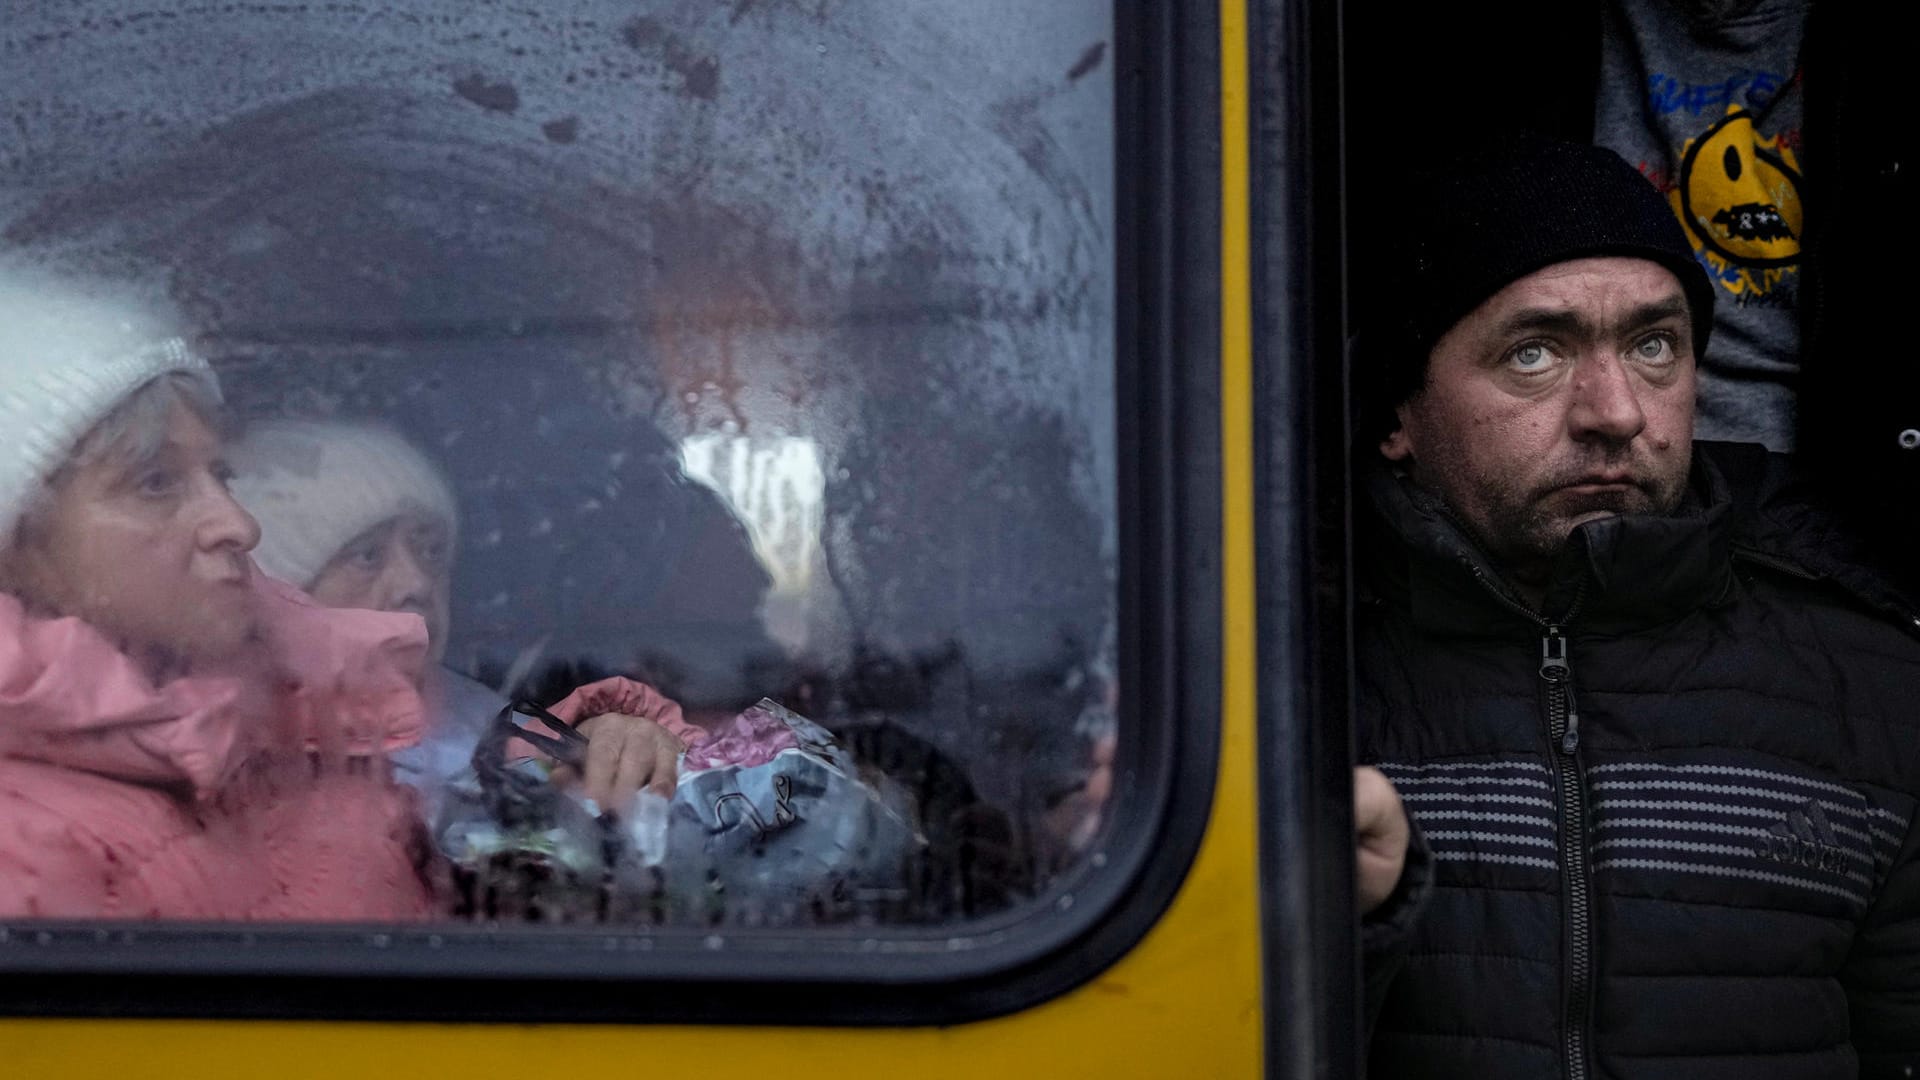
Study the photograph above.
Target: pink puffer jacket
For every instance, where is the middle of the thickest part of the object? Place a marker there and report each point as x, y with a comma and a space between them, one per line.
240, 796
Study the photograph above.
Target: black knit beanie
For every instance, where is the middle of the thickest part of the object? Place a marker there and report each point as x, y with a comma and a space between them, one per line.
1485, 216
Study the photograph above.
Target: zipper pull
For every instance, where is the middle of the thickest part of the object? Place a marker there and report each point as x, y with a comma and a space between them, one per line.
1553, 655
1558, 673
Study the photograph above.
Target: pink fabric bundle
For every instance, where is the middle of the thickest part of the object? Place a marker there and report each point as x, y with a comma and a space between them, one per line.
753, 737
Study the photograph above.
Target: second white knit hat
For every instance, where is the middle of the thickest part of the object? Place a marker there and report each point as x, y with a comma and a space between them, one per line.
315, 485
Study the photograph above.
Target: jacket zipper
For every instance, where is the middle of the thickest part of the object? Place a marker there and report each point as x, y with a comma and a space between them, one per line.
1563, 734
1563, 729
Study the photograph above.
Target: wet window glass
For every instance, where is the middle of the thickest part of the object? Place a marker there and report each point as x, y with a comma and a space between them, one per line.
590, 462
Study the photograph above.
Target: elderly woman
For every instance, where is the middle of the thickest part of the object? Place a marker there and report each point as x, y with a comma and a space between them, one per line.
355, 515
180, 737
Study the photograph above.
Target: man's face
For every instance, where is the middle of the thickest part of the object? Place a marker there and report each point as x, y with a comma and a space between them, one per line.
153, 551
1567, 396
405, 563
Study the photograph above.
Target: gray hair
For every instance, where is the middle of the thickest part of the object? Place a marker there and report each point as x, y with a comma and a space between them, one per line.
137, 427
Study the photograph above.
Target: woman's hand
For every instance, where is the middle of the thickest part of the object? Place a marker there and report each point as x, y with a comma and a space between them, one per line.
635, 736
625, 754
1075, 820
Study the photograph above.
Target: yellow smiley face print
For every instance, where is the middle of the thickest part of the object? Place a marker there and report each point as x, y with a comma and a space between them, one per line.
1739, 194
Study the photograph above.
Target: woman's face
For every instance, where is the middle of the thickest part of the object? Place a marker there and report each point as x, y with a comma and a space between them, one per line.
405, 563
153, 551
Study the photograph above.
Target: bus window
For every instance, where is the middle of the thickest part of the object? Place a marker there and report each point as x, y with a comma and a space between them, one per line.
643, 480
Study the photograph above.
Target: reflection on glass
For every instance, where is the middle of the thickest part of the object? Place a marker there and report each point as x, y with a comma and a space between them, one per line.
670, 484
778, 490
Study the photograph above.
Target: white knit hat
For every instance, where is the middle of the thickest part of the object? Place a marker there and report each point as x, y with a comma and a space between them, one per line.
68, 356
315, 485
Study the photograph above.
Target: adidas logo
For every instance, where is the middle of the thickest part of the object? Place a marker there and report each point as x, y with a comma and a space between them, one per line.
1805, 838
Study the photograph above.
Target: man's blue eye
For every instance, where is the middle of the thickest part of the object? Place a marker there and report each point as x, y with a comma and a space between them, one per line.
1530, 357
1655, 348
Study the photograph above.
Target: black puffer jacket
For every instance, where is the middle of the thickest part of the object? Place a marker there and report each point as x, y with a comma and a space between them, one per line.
1671, 826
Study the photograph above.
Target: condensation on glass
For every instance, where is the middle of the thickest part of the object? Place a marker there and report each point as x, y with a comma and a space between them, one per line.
727, 378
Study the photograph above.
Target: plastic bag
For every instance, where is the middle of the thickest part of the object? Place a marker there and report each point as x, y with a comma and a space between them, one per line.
772, 823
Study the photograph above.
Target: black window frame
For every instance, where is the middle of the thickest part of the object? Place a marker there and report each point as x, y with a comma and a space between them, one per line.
1167, 103
1303, 538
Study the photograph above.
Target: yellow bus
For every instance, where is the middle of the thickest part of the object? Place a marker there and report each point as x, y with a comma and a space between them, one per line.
940, 371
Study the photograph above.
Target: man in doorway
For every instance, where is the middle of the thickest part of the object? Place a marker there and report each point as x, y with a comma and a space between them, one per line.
1653, 730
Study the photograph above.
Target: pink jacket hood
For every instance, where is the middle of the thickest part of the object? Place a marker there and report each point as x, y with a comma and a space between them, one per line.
337, 681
